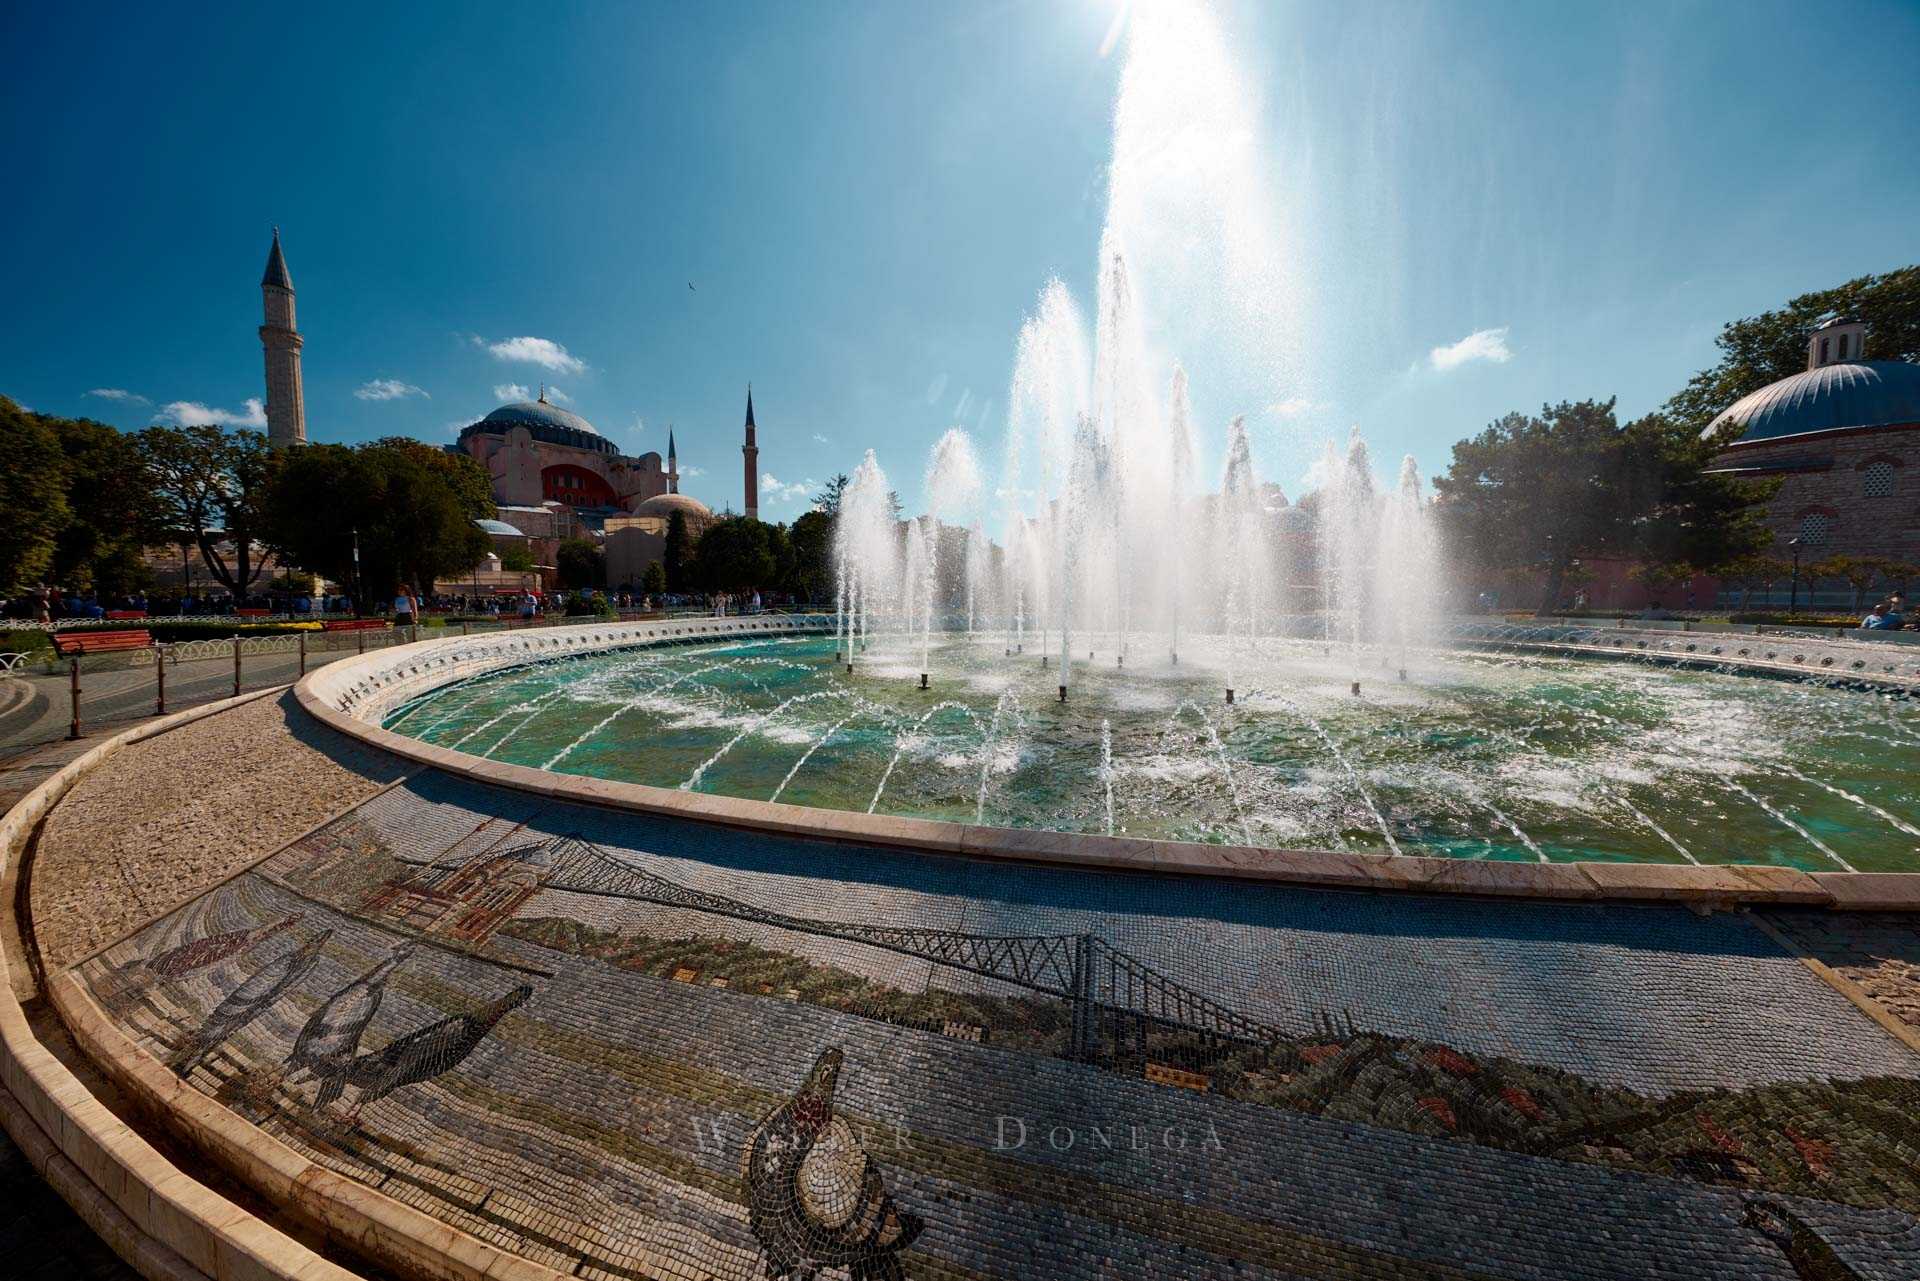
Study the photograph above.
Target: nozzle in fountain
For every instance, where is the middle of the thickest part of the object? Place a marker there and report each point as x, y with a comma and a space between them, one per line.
1063, 693
1356, 687
923, 683
1403, 673
1120, 660
1043, 662
1229, 694
1174, 655
849, 667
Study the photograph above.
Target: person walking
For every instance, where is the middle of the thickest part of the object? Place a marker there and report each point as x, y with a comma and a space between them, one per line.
403, 609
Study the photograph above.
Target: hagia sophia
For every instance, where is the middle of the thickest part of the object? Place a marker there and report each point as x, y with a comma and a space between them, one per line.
554, 475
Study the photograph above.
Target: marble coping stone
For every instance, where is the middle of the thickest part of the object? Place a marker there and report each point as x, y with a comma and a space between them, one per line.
354, 694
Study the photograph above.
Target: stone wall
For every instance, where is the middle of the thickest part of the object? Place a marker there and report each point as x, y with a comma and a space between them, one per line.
1826, 474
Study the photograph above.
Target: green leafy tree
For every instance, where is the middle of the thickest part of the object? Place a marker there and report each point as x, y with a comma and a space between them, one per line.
1687, 516
33, 497
811, 538
1857, 572
517, 559
209, 488
1773, 345
677, 558
580, 563
1749, 572
112, 511
411, 507
653, 580
828, 499
1542, 491
735, 555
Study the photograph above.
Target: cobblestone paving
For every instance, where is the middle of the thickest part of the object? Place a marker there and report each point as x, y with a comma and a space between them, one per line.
185, 810
645, 1049
1878, 950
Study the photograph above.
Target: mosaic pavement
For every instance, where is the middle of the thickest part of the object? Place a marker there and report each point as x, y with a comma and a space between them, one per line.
638, 1048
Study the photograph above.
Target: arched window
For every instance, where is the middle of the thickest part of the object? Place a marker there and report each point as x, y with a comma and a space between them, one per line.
1814, 529
1877, 480
1824, 343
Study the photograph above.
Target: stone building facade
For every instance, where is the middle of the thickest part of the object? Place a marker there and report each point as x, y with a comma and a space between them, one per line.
1843, 438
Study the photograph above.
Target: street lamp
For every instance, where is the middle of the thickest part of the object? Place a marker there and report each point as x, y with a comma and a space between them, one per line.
1793, 591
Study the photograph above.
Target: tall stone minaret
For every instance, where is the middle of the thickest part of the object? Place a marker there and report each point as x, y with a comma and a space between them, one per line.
751, 451
286, 399
673, 465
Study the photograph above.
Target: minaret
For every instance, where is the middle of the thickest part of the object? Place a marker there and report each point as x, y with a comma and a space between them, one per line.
673, 465
752, 453
286, 399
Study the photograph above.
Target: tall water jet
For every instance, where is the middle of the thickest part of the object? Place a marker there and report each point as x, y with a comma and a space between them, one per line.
866, 554
1407, 566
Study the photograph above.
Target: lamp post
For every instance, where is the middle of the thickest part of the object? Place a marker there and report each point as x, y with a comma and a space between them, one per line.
1793, 591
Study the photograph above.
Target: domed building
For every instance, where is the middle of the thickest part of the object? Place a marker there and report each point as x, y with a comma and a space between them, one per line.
1844, 439
537, 453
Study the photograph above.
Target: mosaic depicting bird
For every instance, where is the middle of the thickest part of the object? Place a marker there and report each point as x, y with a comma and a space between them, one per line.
815, 1199
426, 1052
247, 1002
203, 952
326, 1045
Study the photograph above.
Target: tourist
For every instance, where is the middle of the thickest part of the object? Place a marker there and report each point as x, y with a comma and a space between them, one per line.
528, 607
1881, 619
403, 610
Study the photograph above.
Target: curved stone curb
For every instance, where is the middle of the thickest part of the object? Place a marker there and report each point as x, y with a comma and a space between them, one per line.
351, 696
160, 1220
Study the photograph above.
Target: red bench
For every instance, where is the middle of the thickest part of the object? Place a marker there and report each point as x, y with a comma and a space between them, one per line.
253, 613
354, 625
120, 615
68, 644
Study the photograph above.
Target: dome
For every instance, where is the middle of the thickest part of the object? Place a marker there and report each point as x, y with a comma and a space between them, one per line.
665, 505
499, 527
1868, 393
546, 422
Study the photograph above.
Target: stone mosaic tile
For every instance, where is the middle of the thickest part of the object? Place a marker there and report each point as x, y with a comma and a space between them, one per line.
632, 1048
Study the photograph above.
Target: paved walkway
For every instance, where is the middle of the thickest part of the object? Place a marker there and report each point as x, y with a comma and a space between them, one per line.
1455, 1089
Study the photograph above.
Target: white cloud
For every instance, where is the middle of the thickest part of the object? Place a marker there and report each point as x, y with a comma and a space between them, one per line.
191, 413
771, 487
120, 394
1294, 407
543, 352
693, 471
1481, 344
818, 439
557, 396
511, 392
387, 389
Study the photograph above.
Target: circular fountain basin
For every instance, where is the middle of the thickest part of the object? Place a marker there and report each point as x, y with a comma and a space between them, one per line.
1530, 757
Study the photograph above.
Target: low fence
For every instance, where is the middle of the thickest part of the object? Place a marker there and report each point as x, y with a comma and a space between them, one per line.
51, 697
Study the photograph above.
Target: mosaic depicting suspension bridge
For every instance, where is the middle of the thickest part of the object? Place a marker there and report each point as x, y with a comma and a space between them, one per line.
591, 1040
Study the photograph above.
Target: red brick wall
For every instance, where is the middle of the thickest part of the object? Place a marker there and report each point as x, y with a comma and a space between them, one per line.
1857, 525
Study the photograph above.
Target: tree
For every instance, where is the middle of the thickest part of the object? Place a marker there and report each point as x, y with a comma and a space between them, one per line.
580, 563
413, 509
1659, 578
735, 555
1542, 491
1773, 345
111, 509
677, 557
517, 559
209, 487
1858, 572
653, 579
811, 539
828, 499
33, 497
1749, 572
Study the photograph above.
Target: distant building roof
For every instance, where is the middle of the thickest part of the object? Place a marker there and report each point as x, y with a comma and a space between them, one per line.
667, 504
1835, 397
546, 422
499, 527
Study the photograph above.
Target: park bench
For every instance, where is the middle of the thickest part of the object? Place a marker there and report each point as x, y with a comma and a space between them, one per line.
121, 615
354, 625
253, 613
69, 644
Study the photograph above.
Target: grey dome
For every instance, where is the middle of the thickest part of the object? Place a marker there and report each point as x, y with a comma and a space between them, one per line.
499, 527
1868, 393
547, 422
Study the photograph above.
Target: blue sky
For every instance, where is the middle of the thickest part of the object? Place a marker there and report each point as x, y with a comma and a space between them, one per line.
868, 197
